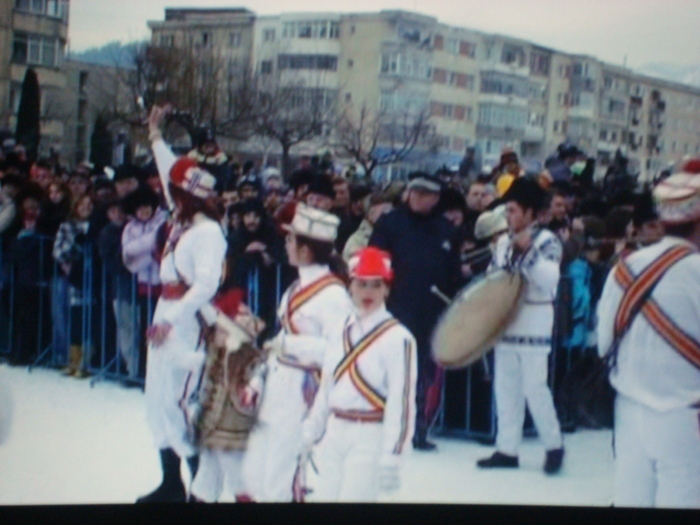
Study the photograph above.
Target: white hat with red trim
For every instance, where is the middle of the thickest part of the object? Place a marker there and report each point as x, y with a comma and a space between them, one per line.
678, 197
187, 175
371, 263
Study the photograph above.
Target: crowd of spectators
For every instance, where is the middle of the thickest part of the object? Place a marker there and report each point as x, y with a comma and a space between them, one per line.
54, 222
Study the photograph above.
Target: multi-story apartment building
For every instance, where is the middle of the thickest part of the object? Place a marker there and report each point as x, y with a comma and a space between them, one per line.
33, 33
480, 90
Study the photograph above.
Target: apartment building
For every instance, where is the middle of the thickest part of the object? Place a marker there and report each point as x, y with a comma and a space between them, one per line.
33, 33
484, 91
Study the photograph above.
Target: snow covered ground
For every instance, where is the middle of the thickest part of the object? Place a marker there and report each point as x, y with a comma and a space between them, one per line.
72, 444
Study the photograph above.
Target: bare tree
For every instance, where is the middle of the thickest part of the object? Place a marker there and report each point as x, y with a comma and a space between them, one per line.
289, 112
377, 138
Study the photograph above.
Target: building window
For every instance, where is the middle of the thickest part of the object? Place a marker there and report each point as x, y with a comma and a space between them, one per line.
348, 97
206, 39
555, 128
448, 110
234, 40
36, 50
513, 55
439, 75
320, 62
268, 35
439, 42
266, 67
603, 136
467, 49
452, 46
335, 30
82, 81
167, 40
539, 64
52, 8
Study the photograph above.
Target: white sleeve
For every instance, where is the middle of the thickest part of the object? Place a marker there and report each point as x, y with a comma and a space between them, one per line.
606, 312
314, 425
310, 350
165, 159
210, 250
400, 409
541, 266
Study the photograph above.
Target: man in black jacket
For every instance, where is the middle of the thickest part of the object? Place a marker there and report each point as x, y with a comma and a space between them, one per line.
424, 254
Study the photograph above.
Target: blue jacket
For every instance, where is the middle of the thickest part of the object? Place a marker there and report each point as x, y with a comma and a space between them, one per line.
424, 253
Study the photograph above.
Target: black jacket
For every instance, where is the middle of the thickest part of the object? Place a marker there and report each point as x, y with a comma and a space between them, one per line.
424, 254
120, 279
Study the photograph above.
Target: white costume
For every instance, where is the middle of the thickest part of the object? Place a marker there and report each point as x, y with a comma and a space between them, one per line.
657, 415
365, 406
521, 356
174, 368
275, 443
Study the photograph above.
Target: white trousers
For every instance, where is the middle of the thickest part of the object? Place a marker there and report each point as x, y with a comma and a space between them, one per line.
348, 462
521, 377
168, 386
218, 468
657, 456
271, 461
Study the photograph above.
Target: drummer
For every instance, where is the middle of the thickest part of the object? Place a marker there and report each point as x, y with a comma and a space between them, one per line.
521, 356
365, 408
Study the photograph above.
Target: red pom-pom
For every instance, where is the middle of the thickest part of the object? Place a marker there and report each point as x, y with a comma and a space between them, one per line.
692, 166
179, 170
229, 303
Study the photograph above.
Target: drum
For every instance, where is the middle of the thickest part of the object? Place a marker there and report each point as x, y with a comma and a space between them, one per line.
222, 421
477, 318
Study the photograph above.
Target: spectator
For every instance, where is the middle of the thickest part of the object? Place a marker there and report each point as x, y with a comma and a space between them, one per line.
70, 252
350, 222
126, 180
376, 205
489, 227
11, 187
139, 252
121, 286
424, 254
210, 157
617, 223
79, 186
31, 255
41, 174
321, 193
646, 226
56, 208
249, 187
256, 251
341, 204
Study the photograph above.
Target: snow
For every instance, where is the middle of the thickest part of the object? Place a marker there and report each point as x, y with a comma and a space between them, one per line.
72, 444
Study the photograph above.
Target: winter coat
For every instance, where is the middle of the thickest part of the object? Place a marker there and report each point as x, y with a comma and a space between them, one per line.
52, 215
71, 247
424, 254
110, 248
31, 253
139, 248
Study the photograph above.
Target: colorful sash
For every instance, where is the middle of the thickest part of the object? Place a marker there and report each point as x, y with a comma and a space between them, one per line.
298, 298
635, 297
349, 362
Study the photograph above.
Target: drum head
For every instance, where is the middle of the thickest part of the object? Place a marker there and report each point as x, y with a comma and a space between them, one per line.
476, 319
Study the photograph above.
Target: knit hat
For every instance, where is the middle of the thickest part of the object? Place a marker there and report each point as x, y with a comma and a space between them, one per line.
426, 181
371, 263
678, 197
187, 175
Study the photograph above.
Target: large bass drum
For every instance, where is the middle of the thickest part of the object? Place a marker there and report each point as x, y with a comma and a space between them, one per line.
222, 421
477, 318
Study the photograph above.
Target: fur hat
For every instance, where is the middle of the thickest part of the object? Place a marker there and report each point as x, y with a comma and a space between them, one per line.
314, 224
322, 185
527, 193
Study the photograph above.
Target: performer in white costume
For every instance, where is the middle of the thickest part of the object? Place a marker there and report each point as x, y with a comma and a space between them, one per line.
311, 313
521, 356
191, 271
650, 312
366, 402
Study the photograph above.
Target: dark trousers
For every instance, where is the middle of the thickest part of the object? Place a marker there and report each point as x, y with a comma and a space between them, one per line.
427, 375
32, 322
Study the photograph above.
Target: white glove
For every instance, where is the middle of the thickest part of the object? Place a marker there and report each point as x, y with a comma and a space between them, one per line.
389, 478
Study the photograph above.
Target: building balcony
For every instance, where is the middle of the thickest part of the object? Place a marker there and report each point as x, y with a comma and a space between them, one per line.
582, 112
533, 134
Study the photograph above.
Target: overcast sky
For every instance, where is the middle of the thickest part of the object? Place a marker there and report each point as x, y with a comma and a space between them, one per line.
643, 30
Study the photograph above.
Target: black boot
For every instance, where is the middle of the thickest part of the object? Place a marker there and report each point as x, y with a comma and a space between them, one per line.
498, 460
554, 460
172, 489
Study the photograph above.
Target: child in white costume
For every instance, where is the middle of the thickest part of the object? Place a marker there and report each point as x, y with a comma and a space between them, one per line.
366, 402
311, 312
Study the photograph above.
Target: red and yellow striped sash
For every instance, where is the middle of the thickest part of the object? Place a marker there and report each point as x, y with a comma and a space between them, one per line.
297, 298
349, 362
657, 318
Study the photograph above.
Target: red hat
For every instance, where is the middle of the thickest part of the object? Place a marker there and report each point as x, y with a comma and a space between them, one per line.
187, 175
371, 263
